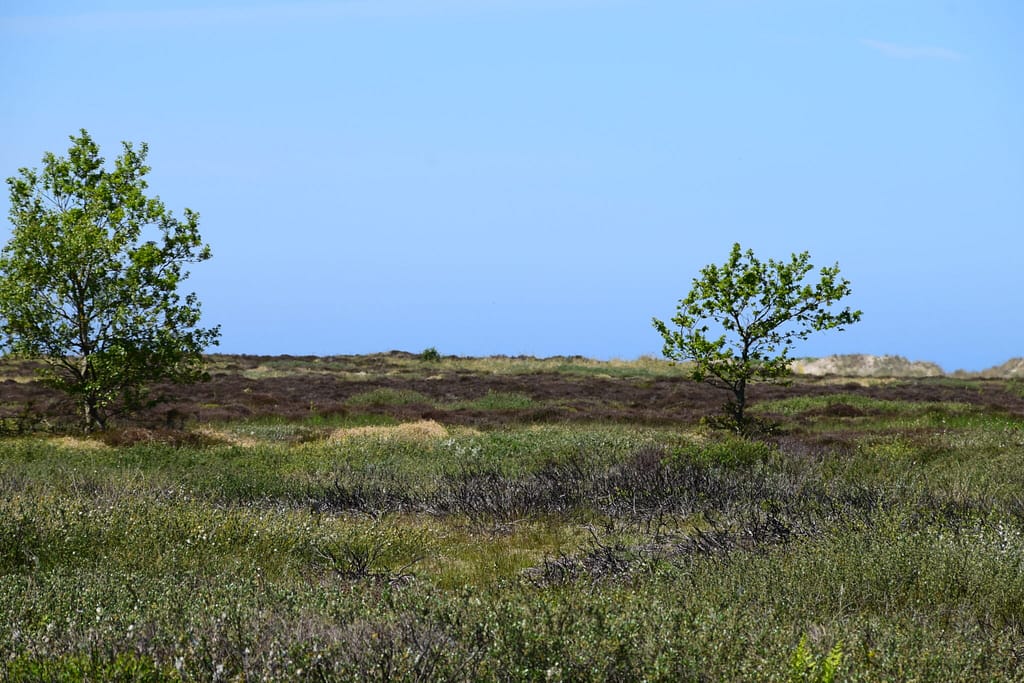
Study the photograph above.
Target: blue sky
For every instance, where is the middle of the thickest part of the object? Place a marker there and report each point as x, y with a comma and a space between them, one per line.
544, 176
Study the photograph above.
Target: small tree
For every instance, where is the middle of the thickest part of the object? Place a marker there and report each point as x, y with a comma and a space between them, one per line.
740, 321
89, 280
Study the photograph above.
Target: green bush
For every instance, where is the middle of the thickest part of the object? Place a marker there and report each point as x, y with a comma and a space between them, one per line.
728, 451
430, 355
122, 668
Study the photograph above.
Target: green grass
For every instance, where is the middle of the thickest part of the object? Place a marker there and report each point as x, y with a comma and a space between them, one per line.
886, 544
497, 400
804, 404
388, 397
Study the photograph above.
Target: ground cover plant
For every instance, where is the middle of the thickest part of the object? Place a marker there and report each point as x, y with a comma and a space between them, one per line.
514, 520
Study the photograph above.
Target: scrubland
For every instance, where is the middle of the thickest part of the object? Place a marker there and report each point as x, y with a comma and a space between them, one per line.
392, 519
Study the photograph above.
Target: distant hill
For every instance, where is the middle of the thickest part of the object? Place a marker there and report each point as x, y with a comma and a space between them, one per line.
1011, 368
866, 365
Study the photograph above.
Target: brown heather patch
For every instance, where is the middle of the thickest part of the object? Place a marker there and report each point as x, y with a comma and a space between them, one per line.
326, 386
130, 436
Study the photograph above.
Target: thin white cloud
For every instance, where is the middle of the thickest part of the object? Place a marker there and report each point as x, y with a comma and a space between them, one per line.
276, 13
897, 51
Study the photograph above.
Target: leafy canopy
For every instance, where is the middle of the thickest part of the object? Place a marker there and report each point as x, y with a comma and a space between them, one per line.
89, 279
741, 319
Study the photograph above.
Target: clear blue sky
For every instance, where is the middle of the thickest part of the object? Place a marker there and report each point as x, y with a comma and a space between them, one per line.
543, 176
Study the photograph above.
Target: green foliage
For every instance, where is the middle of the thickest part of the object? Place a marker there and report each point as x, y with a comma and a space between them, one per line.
89, 280
498, 400
20, 541
732, 452
861, 404
430, 355
122, 668
25, 421
629, 553
1015, 385
740, 321
805, 666
379, 550
385, 396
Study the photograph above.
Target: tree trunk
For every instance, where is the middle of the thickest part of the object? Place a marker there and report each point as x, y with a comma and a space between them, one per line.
739, 407
94, 419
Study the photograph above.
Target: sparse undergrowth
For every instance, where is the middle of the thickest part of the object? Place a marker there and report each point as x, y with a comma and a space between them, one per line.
872, 538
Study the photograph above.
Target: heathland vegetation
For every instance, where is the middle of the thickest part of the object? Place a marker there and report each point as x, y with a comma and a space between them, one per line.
403, 517
408, 517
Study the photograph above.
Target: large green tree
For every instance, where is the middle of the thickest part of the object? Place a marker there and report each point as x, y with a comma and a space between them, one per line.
741, 319
89, 280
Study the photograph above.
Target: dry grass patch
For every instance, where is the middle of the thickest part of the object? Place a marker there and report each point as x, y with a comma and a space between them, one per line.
416, 432
77, 443
18, 379
265, 372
